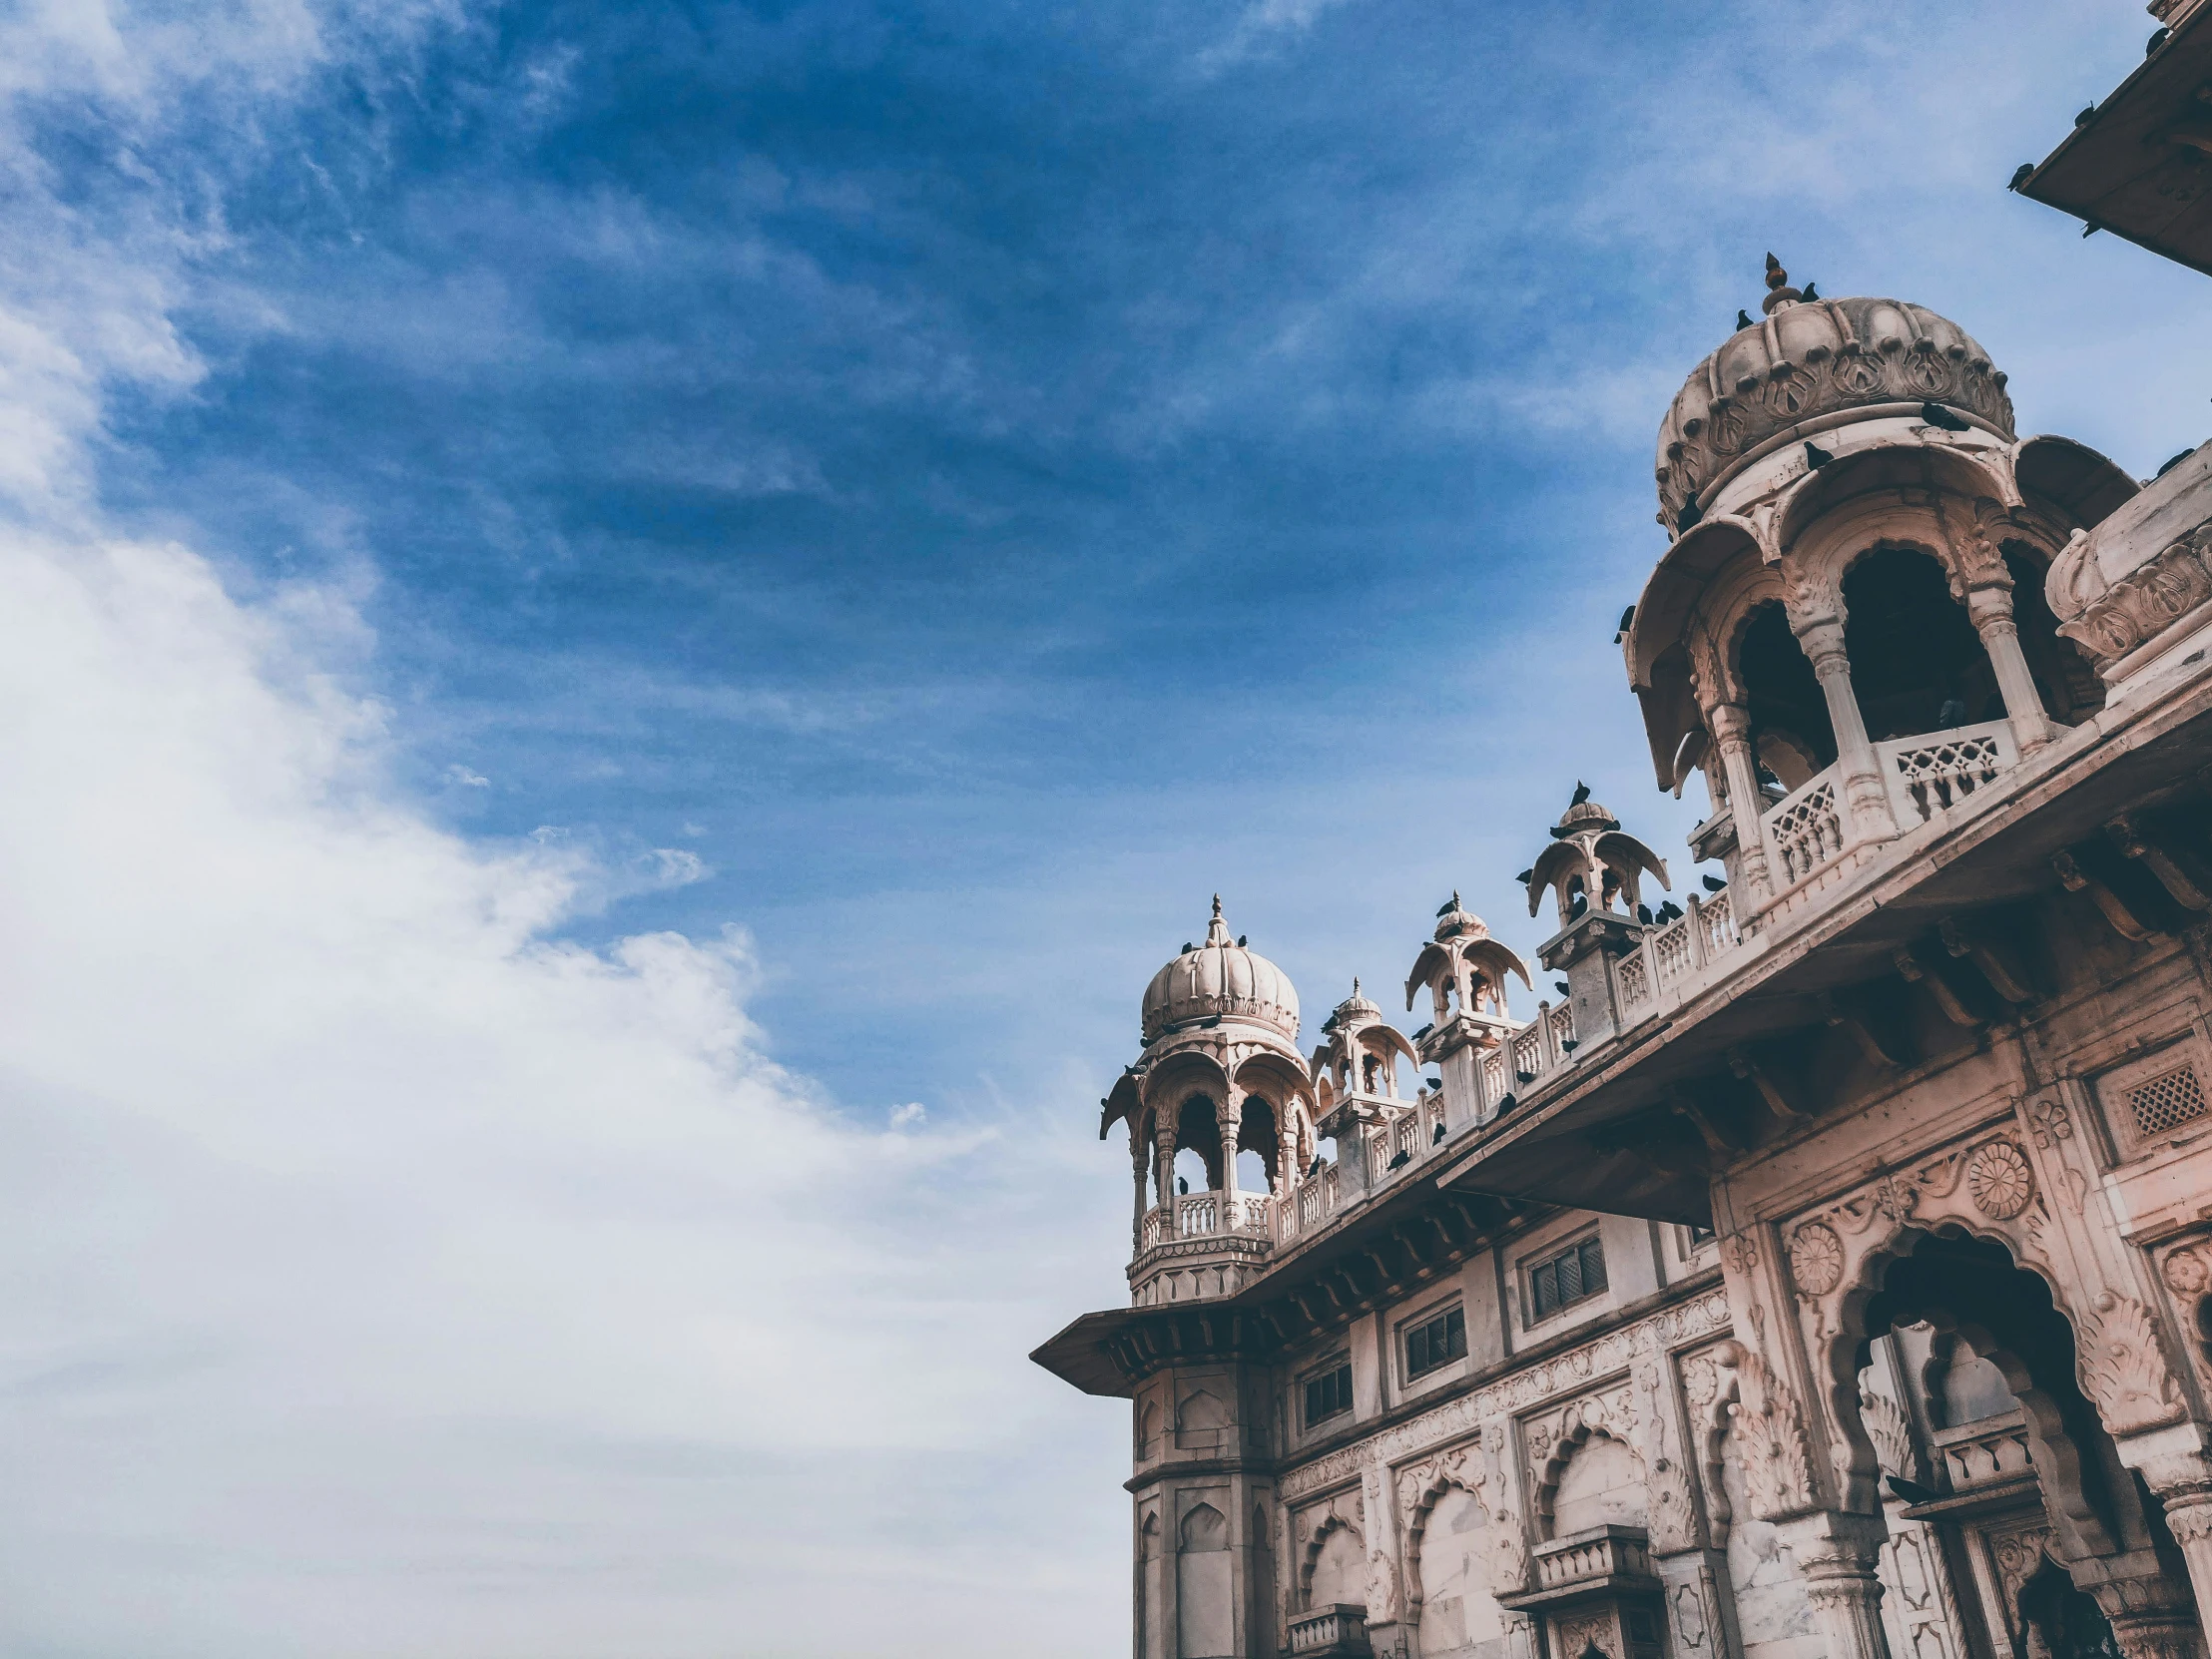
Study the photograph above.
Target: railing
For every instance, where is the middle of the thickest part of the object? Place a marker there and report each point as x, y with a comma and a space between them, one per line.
1326, 1632
1204, 1215
1932, 774
1806, 830
1606, 1551
1975, 1453
1674, 961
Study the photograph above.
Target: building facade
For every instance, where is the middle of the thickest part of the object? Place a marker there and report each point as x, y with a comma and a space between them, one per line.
1819, 1266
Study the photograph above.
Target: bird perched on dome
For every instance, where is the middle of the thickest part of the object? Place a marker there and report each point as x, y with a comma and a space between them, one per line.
1581, 793
1743, 318
1937, 415
1812, 293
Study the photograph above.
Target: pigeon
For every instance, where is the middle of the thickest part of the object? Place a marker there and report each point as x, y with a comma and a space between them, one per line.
1526, 877
1423, 1032
1670, 911
1743, 318
2020, 174
2156, 41
1569, 1044
1629, 616
1581, 793
1576, 905
2176, 461
1713, 883
1241, 938
1188, 947
1525, 1078
1448, 905
1561, 987
2087, 109
1811, 293
2089, 230
1437, 1139
1691, 513
1953, 713
1816, 457
1401, 1161
1937, 415
1435, 1085
1909, 1490
1505, 1106
1313, 1169
1182, 1184
1643, 915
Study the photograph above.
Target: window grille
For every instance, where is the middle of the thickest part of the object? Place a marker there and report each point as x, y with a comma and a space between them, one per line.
1328, 1394
1562, 1280
1436, 1341
2167, 1101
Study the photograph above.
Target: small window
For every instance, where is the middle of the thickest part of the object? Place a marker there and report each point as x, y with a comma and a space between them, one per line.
1696, 1238
2167, 1101
1329, 1393
1561, 1281
1436, 1341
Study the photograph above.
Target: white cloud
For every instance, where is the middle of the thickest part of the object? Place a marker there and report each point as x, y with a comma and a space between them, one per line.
912, 1115
467, 779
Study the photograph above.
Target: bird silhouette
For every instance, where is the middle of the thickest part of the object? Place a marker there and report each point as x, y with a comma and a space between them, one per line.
1576, 905
1241, 938
1743, 318
1437, 1139
1188, 947
1814, 456
1401, 1161
1450, 905
1643, 915
1581, 793
2089, 230
1953, 713
1909, 1490
1937, 415
1525, 1078
1435, 1085
2087, 109
1505, 1105
1526, 877
1570, 1045
1629, 616
1313, 1169
1182, 1184
1423, 1032
2156, 41
2021, 175
1561, 987
1690, 515
1811, 292
1713, 883
1670, 911
2174, 462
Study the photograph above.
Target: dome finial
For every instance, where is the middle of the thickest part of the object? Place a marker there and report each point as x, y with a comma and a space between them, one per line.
1356, 984
1216, 930
1779, 294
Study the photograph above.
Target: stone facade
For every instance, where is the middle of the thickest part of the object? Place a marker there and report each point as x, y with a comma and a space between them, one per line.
1828, 1267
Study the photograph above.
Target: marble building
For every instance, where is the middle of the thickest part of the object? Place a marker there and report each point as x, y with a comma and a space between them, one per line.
1819, 1265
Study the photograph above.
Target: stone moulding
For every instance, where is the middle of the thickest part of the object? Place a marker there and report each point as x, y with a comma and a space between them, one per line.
2111, 620
1609, 1354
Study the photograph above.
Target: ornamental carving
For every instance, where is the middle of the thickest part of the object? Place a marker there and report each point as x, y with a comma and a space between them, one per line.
1885, 1427
1999, 1180
1771, 1437
2123, 1369
2052, 1124
2112, 618
2186, 1273
1580, 1635
1816, 1258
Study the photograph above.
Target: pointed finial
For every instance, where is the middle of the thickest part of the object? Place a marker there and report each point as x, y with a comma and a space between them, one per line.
1356, 984
1778, 293
1217, 904
1216, 930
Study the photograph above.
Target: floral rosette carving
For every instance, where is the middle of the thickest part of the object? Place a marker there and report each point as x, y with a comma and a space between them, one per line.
1999, 1180
1816, 1258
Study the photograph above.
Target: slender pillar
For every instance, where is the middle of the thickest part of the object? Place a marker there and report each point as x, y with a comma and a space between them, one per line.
1864, 792
1164, 1151
1992, 610
1139, 1155
1729, 723
1835, 1555
1229, 1119
2184, 1487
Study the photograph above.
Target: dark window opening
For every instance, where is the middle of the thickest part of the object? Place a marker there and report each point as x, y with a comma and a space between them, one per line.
2069, 684
1790, 730
1436, 1341
1915, 661
1328, 1394
1565, 1279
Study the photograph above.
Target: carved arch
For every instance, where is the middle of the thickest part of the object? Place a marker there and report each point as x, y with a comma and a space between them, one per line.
1440, 1479
1309, 1556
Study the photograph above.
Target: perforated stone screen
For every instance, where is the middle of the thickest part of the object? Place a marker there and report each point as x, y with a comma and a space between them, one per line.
2171, 1098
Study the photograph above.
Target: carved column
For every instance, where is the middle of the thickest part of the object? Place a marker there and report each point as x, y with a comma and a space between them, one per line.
1140, 1157
1729, 723
1164, 1172
1385, 1589
2184, 1487
1836, 1556
1229, 1120
1868, 796
1287, 1171
1990, 606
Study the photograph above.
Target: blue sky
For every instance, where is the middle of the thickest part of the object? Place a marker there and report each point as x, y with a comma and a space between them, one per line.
604, 596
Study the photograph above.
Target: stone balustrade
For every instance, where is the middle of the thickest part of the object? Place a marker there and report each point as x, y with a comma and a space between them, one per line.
1326, 1632
1602, 1553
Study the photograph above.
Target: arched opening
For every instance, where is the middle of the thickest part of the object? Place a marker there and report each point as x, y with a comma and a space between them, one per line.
1790, 731
1457, 1612
1916, 662
2002, 1366
1336, 1566
1190, 1172
2063, 675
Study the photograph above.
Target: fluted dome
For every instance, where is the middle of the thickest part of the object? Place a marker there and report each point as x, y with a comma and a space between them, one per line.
1219, 979
1454, 920
1808, 358
1355, 1009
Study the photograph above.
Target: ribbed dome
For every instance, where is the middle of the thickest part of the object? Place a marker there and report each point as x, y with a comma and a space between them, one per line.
1219, 979
1809, 358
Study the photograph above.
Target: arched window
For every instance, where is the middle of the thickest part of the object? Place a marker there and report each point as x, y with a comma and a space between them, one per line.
1790, 731
1916, 662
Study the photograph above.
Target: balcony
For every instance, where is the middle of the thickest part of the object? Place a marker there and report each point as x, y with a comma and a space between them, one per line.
1335, 1632
1602, 1561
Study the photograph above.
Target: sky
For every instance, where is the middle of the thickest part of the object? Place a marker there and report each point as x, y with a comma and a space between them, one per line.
628, 630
